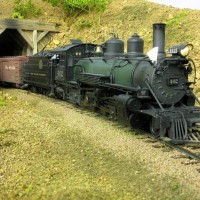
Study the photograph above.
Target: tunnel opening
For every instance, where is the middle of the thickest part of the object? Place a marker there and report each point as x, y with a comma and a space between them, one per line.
12, 43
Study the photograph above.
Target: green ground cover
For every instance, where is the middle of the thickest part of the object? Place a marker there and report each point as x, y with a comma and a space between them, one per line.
43, 157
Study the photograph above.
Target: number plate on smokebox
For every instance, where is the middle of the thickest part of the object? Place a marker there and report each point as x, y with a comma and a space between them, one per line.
173, 81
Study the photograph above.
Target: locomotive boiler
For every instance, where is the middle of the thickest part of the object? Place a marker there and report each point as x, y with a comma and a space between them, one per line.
150, 92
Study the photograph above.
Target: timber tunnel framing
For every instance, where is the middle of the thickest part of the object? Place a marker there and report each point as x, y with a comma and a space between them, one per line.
24, 37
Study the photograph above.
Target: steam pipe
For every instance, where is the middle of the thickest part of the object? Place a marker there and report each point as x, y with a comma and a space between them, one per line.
159, 38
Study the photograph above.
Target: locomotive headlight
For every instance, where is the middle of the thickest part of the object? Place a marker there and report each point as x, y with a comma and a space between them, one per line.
185, 51
181, 50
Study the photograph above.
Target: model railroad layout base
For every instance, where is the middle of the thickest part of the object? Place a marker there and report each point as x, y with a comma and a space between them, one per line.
150, 92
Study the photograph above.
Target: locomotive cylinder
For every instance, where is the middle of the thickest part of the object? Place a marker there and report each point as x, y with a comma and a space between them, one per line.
159, 38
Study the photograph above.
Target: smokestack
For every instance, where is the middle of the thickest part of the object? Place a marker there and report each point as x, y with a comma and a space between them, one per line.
159, 38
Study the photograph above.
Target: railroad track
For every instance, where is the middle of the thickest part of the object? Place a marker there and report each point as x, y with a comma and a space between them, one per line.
189, 150
186, 150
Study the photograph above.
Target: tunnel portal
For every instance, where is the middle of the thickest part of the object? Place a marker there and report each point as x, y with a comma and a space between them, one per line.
24, 37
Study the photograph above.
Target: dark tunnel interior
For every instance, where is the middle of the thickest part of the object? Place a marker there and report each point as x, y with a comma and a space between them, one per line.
11, 43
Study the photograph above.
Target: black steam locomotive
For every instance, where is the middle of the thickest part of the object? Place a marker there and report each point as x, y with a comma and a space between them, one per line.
146, 91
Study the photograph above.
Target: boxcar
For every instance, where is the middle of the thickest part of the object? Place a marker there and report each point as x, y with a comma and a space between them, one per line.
11, 70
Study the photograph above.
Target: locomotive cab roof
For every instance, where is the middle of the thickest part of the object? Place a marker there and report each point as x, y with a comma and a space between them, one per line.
71, 46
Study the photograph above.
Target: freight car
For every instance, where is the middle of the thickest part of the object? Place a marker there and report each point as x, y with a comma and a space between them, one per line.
11, 70
146, 91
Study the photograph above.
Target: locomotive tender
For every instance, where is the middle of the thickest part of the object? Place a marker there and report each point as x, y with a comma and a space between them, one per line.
146, 91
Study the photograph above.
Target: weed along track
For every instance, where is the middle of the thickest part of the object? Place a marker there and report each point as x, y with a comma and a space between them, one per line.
51, 150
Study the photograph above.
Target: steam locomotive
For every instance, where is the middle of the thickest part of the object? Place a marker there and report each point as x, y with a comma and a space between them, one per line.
150, 92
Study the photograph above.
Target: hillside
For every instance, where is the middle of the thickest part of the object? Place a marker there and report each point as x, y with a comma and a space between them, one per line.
124, 18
